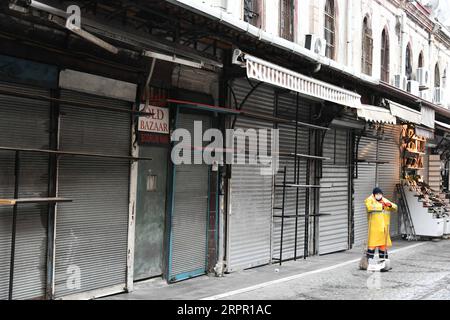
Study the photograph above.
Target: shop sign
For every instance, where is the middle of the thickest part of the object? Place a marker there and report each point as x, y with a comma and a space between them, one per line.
157, 123
154, 129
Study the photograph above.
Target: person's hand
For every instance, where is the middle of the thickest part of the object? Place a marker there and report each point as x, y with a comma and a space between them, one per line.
388, 205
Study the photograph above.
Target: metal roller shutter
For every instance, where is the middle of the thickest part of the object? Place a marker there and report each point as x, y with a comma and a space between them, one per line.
190, 212
24, 123
363, 186
250, 192
92, 231
388, 174
287, 109
333, 230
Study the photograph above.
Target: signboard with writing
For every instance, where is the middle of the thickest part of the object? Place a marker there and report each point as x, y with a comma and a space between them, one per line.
154, 129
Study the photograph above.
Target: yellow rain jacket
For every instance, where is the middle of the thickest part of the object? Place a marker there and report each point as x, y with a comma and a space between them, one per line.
379, 221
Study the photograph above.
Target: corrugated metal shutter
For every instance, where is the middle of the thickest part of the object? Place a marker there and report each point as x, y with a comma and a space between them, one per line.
24, 123
250, 192
287, 109
388, 174
333, 230
92, 231
190, 212
363, 186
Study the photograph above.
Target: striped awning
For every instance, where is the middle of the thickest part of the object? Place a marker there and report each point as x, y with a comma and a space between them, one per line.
407, 114
376, 114
275, 75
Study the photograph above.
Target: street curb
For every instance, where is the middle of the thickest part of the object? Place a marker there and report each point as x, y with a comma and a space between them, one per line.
298, 276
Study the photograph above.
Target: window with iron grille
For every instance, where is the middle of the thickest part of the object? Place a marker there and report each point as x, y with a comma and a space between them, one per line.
287, 19
385, 58
330, 28
367, 48
253, 12
408, 62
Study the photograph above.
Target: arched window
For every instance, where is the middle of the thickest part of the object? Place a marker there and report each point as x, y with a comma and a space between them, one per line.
408, 62
421, 59
385, 58
330, 28
437, 77
367, 47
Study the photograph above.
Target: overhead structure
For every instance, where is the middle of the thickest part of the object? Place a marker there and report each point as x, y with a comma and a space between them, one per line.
276, 75
376, 114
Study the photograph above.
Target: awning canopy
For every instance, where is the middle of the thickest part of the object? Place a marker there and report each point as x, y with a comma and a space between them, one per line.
376, 114
273, 74
428, 117
425, 132
442, 125
405, 113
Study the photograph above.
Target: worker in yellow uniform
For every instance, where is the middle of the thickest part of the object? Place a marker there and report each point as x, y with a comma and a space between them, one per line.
378, 210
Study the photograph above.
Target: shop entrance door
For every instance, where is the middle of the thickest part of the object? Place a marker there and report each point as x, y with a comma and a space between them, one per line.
150, 213
189, 211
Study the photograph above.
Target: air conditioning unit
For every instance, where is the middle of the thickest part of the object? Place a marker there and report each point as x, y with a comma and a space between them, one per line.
413, 87
400, 81
423, 77
425, 95
438, 97
316, 44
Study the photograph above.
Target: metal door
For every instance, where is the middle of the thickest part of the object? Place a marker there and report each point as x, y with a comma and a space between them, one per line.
24, 123
150, 213
189, 211
250, 203
363, 186
92, 231
333, 230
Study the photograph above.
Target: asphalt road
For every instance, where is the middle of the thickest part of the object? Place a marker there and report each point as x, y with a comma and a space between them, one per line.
419, 273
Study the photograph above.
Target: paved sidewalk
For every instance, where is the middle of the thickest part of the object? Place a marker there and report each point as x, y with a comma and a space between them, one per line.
421, 271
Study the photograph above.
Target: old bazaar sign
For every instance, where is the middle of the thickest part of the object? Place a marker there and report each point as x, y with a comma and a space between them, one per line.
154, 128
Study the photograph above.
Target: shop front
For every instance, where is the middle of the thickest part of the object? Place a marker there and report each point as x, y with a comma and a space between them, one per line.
65, 186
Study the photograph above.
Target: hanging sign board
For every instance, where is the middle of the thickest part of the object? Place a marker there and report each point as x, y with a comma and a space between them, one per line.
154, 129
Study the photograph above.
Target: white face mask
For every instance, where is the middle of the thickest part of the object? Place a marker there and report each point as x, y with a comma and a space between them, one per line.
378, 197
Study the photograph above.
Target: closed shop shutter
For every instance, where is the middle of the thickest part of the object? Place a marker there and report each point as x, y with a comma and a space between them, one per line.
24, 123
92, 231
287, 105
388, 174
189, 220
384, 173
333, 230
250, 212
363, 186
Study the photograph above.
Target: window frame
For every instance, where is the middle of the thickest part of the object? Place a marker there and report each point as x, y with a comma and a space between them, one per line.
330, 32
385, 56
367, 47
287, 21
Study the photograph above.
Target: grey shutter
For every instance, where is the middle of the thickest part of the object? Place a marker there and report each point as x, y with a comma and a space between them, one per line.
24, 123
333, 230
287, 110
250, 213
363, 186
388, 174
92, 231
190, 212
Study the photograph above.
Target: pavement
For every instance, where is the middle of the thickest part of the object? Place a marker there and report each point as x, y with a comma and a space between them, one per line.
421, 271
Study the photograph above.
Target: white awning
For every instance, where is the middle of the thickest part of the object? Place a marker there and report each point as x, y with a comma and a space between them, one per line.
376, 114
443, 125
405, 113
273, 74
428, 117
